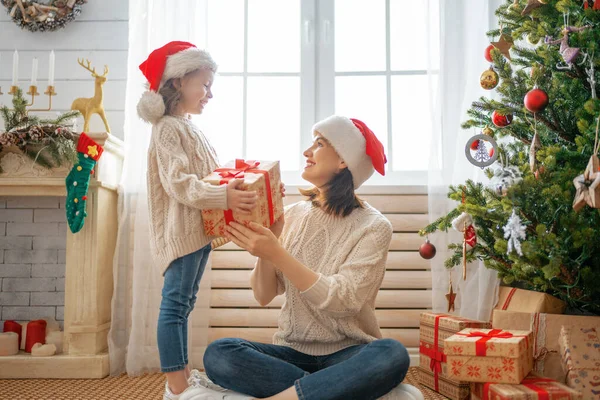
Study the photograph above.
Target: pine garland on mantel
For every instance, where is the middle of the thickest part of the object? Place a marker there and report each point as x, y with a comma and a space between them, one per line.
48, 142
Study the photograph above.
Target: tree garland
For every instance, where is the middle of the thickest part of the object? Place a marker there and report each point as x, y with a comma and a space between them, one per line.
40, 16
48, 142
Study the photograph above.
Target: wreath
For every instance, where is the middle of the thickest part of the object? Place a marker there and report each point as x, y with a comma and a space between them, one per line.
41, 16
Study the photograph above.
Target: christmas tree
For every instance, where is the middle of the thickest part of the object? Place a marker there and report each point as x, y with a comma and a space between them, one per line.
550, 244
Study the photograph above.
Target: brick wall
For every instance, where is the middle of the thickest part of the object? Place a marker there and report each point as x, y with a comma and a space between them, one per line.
32, 258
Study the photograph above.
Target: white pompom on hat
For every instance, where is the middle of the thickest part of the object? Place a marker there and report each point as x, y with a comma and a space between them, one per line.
173, 60
356, 144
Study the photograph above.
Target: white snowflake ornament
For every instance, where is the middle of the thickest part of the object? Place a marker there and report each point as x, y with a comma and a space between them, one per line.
514, 231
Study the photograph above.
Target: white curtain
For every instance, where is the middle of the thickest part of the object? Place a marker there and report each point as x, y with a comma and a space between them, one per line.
138, 283
463, 41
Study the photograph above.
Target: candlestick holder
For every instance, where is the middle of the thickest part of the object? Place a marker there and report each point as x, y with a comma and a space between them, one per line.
33, 92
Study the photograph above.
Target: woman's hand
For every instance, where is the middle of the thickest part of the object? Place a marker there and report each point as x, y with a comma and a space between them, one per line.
257, 240
282, 189
277, 226
238, 200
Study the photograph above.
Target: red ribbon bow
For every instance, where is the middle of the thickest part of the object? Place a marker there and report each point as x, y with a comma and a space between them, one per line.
238, 172
480, 347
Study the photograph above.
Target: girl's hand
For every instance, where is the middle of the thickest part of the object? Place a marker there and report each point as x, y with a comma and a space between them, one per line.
282, 189
257, 240
238, 200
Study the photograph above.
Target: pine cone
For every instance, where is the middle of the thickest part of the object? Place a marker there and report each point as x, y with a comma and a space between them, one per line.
7, 139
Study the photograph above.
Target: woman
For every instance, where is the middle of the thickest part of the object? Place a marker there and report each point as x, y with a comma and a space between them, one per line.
329, 261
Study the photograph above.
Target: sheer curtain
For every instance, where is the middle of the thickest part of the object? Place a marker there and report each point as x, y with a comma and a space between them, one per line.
138, 283
463, 40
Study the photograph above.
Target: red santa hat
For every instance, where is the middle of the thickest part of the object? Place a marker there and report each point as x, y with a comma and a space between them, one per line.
356, 144
173, 60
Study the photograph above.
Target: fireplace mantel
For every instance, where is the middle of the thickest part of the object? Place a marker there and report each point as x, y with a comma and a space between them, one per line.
89, 263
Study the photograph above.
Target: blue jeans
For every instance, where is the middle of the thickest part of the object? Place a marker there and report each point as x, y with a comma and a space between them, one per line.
182, 280
361, 372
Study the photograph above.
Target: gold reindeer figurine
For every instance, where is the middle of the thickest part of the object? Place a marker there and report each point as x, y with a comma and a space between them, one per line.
89, 106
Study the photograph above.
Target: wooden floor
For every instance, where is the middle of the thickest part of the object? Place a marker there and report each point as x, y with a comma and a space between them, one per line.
147, 387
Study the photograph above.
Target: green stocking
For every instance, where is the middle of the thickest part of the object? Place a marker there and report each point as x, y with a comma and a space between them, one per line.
78, 180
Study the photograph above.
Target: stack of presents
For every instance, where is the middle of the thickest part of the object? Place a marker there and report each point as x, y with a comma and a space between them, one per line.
530, 350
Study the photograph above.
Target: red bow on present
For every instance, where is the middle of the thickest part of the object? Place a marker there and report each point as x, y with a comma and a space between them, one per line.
480, 347
237, 171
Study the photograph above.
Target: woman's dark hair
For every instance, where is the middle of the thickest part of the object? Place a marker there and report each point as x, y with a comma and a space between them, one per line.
338, 198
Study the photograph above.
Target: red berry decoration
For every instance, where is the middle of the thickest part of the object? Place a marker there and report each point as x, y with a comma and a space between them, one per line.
536, 100
84, 198
427, 250
488, 54
475, 145
501, 120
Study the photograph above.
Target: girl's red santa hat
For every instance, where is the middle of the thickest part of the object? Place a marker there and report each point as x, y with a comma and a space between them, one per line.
356, 144
173, 60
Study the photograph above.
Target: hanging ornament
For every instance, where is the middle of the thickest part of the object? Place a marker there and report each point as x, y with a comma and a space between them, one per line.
536, 144
481, 157
500, 120
78, 180
503, 45
464, 223
427, 250
532, 5
591, 76
514, 231
587, 185
450, 296
569, 54
488, 131
504, 177
489, 79
536, 100
488, 53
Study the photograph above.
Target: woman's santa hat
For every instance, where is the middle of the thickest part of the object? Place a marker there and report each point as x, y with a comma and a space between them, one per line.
173, 60
356, 144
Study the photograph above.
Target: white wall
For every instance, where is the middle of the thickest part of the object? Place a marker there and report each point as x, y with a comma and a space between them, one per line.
100, 34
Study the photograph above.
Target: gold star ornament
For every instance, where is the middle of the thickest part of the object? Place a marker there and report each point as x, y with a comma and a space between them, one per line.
450, 296
588, 186
503, 45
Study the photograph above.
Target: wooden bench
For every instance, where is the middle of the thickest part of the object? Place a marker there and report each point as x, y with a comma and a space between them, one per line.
405, 293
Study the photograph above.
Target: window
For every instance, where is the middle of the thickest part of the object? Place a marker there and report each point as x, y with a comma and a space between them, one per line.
283, 65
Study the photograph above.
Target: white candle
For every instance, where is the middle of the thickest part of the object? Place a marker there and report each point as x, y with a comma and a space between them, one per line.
15, 76
9, 344
51, 70
34, 71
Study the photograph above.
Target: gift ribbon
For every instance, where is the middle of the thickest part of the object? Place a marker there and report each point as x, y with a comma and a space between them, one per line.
238, 172
480, 345
529, 383
436, 354
508, 298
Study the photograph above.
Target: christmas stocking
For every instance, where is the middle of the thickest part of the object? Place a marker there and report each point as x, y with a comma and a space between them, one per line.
464, 223
78, 180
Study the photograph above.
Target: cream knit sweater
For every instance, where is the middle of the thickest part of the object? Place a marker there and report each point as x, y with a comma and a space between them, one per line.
350, 255
178, 158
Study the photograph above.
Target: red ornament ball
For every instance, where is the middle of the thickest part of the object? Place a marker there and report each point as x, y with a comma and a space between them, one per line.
536, 100
501, 120
475, 145
427, 250
488, 54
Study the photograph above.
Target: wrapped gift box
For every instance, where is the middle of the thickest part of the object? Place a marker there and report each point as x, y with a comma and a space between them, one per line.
513, 299
546, 332
532, 387
580, 352
434, 329
264, 177
489, 355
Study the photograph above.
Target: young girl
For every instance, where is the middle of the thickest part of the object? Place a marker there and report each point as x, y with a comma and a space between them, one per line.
180, 77
329, 263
